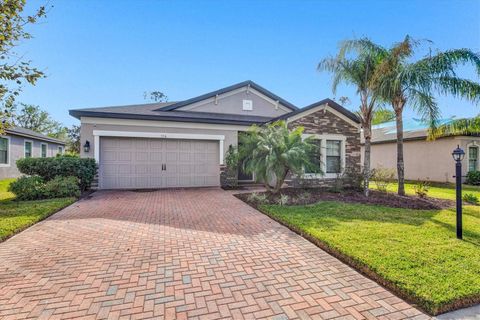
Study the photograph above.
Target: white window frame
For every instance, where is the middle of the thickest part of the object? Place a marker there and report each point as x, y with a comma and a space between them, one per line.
467, 156
8, 152
62, 148
46, 149
25, 149
323, 161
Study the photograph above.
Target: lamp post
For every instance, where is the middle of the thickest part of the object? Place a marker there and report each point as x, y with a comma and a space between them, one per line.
458, 154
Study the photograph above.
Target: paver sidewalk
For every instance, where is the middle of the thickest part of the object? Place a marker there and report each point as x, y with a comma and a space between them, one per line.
178, 254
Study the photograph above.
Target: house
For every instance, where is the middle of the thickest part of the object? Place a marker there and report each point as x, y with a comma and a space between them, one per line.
183, 144
424, 160
19, 143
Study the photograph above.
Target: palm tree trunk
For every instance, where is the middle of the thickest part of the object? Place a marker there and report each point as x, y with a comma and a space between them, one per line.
400, 162
366, 163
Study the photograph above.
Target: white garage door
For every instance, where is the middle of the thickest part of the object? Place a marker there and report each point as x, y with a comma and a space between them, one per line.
129, 163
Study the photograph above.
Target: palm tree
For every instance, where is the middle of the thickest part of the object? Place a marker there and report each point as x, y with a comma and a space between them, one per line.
467, 126
400, 82
357, 71
271, 152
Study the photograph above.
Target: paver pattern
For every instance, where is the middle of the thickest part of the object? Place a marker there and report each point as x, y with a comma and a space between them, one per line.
178, 254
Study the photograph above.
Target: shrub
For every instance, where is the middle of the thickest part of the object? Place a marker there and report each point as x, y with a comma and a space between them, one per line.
84, 169
28, 188
283, 200
304, 197
473, 178
256, 197
62, 187
421, 188
383, 177
471, 198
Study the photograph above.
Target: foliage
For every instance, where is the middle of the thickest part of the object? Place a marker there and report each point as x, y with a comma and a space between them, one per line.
34, 118
62, 187
73, 141
383, 177
464, 127
399, 81
84, 169
257, 197
28, 188
303, 198
357, 71
383, 115
156, 96
436, 190
473, 178
232, 159
471, 198
421, 188
415, 251
283, 200
15, 70
273, 151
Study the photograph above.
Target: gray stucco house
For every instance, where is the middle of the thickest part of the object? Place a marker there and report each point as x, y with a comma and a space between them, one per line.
19, 143
183, 144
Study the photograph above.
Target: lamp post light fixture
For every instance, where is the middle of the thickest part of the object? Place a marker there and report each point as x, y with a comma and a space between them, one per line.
458, 154
86, 146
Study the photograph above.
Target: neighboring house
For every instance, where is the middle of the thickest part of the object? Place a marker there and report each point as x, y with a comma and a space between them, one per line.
20, 143
424, 160
183, 144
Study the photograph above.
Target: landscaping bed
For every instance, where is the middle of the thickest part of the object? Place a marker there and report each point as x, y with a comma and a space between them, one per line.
295, 196
412, 252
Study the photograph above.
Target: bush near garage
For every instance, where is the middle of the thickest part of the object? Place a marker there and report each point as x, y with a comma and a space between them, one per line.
473, 178
35, 188
84, 169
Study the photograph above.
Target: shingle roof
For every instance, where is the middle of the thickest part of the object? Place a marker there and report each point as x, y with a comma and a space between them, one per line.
32, 134
330, 103
250, 83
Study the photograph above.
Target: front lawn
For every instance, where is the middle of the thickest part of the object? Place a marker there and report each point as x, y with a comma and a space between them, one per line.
436, 190
413, 252
15, 216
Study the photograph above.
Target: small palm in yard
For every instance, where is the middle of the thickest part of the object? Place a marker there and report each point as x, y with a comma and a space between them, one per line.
273, 151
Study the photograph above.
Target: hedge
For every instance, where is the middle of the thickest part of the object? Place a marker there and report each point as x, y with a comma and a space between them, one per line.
473, 178
84, 169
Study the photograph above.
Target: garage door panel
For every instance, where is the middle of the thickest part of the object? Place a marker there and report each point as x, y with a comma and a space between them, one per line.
137, 163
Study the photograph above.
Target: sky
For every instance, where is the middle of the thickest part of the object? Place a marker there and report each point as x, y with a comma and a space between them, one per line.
104, 53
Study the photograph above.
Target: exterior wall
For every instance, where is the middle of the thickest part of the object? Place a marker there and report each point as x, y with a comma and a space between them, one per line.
424, 160
232, 103
90, 124
324, 122
17, 152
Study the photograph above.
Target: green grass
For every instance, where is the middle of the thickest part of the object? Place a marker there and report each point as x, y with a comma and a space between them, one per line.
414, 252
436, 190
15, 216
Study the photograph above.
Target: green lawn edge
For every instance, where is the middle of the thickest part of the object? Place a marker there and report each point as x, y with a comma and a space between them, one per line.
409, 296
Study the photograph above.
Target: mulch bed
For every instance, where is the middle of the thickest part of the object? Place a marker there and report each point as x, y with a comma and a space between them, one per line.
310, 196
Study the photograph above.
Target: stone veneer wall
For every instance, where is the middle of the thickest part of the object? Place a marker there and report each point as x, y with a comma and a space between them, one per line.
325, 122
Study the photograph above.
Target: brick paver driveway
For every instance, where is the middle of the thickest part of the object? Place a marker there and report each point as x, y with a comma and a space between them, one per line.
194, 253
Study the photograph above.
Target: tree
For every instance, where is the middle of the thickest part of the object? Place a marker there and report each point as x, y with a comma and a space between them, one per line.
15, 70
357, 71
382, 115
271, 152
467, 126
156, 96
400, 81
73, 142
33, 118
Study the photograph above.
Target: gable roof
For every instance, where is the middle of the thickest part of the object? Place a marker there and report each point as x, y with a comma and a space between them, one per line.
19, 131
239, 85
328, 102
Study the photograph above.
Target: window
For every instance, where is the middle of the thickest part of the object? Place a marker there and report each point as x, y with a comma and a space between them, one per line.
28, 149
4, 150
316, 157
44, 150
333, 164
473, 158
60, 150
247, 105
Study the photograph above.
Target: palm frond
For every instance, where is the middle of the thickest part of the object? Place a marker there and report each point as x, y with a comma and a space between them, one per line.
467, 126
